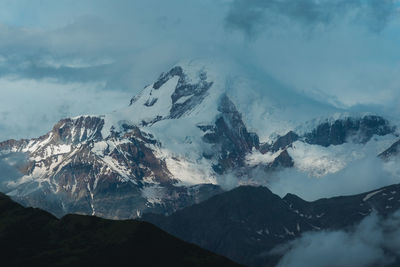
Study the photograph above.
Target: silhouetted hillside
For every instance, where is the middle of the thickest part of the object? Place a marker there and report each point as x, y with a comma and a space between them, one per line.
32, 237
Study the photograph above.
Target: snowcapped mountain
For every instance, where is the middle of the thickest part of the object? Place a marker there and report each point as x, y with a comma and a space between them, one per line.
177, 140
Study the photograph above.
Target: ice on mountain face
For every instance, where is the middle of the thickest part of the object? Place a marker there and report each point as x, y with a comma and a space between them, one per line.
187, 96
100, 147
183, 99
154, 103
182, 149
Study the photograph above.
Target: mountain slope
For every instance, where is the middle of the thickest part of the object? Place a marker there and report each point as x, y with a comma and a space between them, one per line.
34, 237
178, 140
246, 223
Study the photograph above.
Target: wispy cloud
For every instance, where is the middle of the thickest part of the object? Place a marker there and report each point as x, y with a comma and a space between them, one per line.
29, 108
252, 16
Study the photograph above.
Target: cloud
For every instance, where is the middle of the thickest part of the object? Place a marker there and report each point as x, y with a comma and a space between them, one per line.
374, 242
10, 165
121, 46
104, 50
29, 108
126, 44
87, 50
320, 172
255, 15
361, 175
90, 59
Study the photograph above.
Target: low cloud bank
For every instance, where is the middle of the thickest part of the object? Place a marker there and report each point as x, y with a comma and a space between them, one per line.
359, 176
374, 242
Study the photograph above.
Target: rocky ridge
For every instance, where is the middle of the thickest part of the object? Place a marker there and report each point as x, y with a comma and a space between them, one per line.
245, 224
165, 151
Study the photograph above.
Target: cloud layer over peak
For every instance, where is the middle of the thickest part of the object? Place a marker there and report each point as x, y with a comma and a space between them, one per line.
252, 16
116, 47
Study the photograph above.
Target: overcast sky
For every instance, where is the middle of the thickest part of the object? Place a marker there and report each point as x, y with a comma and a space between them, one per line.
68, 57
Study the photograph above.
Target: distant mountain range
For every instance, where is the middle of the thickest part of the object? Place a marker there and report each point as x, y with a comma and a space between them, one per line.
179, 138
32, 237
245, 224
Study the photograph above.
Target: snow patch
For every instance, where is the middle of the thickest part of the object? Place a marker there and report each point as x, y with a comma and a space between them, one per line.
371, 195
183, 99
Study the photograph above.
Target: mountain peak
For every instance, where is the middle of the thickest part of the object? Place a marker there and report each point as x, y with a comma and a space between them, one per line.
196, 123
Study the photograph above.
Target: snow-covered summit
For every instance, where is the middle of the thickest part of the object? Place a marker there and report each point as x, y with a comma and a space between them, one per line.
177, 140
187, 90
191, 90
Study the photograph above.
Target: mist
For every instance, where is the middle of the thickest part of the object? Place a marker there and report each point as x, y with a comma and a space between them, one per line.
10, 166
373, 242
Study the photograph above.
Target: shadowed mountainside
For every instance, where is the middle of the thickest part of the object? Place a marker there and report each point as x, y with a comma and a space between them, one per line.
30, 237
245, 223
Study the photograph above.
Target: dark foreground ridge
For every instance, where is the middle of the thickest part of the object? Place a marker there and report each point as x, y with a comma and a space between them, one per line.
245, 223
32, 237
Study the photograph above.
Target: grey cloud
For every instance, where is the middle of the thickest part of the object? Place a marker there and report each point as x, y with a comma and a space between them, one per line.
10, 166
123, 45
374, 242
96, 46
251, 16
116, 48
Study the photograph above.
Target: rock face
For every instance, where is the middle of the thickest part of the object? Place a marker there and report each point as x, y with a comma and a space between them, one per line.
117, 172
165, 151
229, 137
74, 169
31, 237
392, 151
330, 133
185, 95
281, 143
282, 161
340, 131
246, 223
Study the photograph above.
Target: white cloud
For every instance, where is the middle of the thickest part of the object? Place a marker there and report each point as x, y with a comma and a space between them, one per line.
360, 175
374, 242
